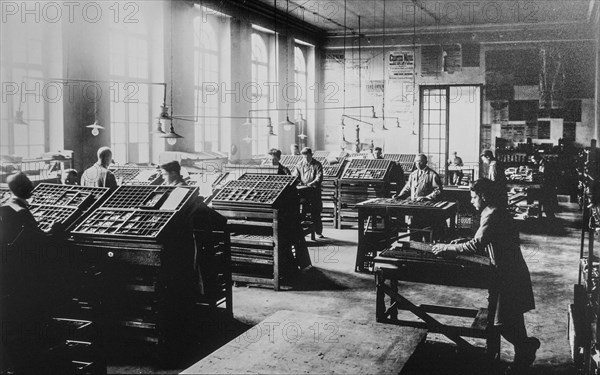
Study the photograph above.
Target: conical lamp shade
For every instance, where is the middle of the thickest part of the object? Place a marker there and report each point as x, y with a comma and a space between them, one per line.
171, 134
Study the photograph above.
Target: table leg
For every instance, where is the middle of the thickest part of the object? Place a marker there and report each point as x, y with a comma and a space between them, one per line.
434, 324
380, 297
360, 251
394, 310
492, 340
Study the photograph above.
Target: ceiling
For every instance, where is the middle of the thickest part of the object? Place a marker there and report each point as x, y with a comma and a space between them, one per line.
343, 17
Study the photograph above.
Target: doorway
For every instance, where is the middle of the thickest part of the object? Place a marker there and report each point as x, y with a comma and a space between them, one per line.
450, 122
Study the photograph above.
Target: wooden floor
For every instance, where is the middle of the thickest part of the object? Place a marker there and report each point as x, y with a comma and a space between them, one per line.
291, 342
334, 290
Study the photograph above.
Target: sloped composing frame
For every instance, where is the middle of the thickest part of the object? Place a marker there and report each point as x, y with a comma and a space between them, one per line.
250, 192
289, 161
130, 212
46, 215
135, 176
334, 170
321, 154
406, 161
367, 169
133, 197
409, 203
122, 222
285, 179
4, 195
70, 195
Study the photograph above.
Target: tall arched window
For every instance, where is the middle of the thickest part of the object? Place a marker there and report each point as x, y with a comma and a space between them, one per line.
130, 110
23, 62
207, 76
260, 89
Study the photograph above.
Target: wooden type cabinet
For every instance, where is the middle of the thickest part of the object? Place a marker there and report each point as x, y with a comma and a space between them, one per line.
329, 196
362, 180
261, 244
150, 288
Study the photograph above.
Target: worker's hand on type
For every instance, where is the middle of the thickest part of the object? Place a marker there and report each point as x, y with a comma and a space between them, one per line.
444, 250
460, 240
421, 199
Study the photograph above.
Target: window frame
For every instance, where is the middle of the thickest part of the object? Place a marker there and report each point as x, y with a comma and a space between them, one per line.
10, 67
125, 35
260, 139
201, 109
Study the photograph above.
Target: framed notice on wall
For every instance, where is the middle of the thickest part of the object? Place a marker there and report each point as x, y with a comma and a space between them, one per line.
401, 64
452, 58
431, 60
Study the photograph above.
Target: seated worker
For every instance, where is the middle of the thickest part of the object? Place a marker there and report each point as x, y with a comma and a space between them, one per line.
498, 238
171, 174
275, 156
29, 274
424, 184
98, 174
310, 173
548, 197
455, 164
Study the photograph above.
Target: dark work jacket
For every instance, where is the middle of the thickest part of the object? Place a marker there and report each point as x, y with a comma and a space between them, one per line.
283, 170
179, 182
496, 172
30, 261
498, 238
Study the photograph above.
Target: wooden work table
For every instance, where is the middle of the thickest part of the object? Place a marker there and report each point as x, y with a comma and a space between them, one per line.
414, 262
290, 342
372, 241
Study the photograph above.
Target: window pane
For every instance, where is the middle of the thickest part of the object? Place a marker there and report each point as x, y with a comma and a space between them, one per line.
144, 153
133, 133
21, 135
36, 132
120, 153
119, 132
143, 133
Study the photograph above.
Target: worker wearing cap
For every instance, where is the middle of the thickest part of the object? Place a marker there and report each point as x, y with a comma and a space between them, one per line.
310, 172
30, 279
16, 217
